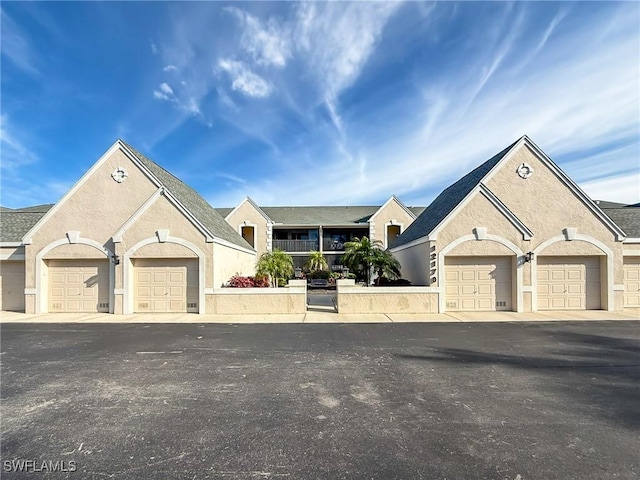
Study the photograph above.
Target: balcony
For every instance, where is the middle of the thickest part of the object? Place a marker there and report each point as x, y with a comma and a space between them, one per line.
296, 245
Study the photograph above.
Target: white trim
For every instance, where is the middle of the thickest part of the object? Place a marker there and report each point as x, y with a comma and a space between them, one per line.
526, 232
630, 253
117, 237
118, 291
626, 240
12, 256
442, 301
578, 237
128, 270
397, 200
42, 288
524, 140
225, 243
253, 204
208, 291
11, 244
30, 291
26, 239
618, 288
392, 223
590, 204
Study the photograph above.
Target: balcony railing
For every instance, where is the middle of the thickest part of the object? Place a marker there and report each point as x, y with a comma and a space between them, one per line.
296, 245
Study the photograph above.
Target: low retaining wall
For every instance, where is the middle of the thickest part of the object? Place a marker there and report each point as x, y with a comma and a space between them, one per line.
291, 299
356, 299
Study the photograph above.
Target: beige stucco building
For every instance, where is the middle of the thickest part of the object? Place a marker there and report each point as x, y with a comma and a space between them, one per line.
514, 234
518, 234
299, 230
128, 237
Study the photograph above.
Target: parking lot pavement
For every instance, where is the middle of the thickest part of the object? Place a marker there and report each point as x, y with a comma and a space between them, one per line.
555, 400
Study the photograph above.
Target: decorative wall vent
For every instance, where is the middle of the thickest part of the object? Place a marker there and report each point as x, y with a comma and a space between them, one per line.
103, 305
501, 304
192, 305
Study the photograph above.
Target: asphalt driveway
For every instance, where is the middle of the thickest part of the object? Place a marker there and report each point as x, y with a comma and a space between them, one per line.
383, 401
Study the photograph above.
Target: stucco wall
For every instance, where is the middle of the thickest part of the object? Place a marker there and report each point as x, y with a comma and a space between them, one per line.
164, 215
370, 300
97, 208
258, 301
392, 211
414, 262
229, 262
247, 213
74, 251
544, 204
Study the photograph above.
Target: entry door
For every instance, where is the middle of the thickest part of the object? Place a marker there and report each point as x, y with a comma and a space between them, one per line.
478, 283
631, 270
78, 285
568, 283
12, 286
166, 285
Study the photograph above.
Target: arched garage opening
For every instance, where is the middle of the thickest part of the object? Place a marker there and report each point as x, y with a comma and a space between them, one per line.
471, 281
164, 277
74, 277
572, 275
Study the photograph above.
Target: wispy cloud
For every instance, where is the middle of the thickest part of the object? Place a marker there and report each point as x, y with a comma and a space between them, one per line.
15, 46
170, 68
267, 42
244, 80
14, 152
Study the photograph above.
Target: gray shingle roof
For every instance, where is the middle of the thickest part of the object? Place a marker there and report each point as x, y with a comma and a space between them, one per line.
627, 218
444, 203
192, 201
224, 211
328, 215
15, 223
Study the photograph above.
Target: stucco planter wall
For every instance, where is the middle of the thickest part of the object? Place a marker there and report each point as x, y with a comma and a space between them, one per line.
357, 299
291, 299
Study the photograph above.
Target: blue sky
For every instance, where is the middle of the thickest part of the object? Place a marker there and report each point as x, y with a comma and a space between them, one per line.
318, 103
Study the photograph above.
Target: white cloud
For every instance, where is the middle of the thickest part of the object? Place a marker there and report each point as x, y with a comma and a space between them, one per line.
16, 47
170, 68
268, 44
244, 80
14, 152
623, 189
337, 39
166, 88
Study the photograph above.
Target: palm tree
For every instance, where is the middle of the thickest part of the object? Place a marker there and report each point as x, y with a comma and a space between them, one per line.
277, 264
316, 262
360, 254
386, 265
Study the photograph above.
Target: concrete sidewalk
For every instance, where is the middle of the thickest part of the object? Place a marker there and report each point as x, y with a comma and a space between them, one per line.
321, 317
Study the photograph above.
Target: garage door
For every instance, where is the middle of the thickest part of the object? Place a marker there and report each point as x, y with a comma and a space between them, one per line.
478, 283
568, 283
12, 286
78, 285
166, 285
631, 269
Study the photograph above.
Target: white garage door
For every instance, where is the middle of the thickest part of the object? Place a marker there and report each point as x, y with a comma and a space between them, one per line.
78, 285
568, 283
166, 285
12, 286
478, 283
631, 269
